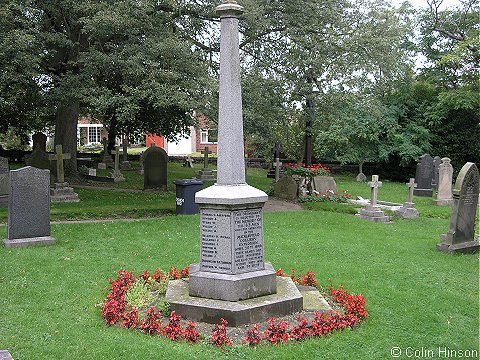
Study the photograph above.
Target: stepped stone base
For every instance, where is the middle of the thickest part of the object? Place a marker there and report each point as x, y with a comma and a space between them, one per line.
228, 287
117, 176
443, 202
287, 300
373, 214
43, 240
63, 193
206, 174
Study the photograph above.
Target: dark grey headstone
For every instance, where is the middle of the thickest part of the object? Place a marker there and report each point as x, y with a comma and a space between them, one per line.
4, 174
29, 207
461, 233
38, 158
155, 161
286, 188
424, 176
39, 141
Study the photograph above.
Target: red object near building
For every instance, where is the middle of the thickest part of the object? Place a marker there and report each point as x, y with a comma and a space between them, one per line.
158, 140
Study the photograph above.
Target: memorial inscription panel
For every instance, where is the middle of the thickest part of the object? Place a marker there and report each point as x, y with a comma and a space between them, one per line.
231, 242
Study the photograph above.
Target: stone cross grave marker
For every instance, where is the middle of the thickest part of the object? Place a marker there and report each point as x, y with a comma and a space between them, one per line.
59, 156
232, 266
444, 187
116, 174
461, 233
374, 185
372, 211
408, 209
29, 208
4, 181
206, 173
276, 155
424, 176
107, 159
155, 161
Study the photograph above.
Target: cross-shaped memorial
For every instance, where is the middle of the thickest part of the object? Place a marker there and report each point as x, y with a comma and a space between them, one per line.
61, 192
125, 165
107, 159
232, 270
116, 174
372, 211
408, 209
206, 173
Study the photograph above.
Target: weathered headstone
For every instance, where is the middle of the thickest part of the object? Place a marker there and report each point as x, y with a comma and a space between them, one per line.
107, 159
61, 192
372, 212
286, 188
444, 187
116, 174
206, 174
38, 158
4, 182
408, 209
39, 141
29, 208
437, 160
125, 163
323, 184
232, 266
155, 161
424, 176
461, 233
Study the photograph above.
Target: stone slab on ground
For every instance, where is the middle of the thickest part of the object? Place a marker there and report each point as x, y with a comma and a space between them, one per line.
32, 241
287, 300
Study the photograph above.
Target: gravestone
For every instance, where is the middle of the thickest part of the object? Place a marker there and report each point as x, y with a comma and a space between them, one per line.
116, 174
323, 184
4, 182
276, 171
155, 161
408, 210
61, 192
437, 160
372, 211
188, 162
38, 158
232, 280
125, 163
206, 174
444, 187
424, 176
92, 172
286, 188
461, 233
29, 208
106, 159
361, 177
39, 141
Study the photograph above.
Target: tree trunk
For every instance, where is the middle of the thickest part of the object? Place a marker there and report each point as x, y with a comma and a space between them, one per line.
112, 134
66, 121
360, 167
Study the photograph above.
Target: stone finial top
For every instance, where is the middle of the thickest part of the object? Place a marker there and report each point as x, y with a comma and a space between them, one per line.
446, 160
229, 8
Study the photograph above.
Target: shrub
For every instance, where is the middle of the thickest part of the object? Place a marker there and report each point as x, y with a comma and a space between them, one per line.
139, 295
252, 336
276, 333
151, 323
173, 330
191, 334
219, 334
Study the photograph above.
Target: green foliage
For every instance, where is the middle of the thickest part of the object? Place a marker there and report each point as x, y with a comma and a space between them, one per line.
139, 294
164, 307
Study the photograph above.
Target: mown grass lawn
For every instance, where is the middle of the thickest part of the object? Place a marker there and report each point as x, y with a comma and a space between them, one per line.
417, 297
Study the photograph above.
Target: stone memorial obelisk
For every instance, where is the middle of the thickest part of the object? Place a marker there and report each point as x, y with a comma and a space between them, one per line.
232, 266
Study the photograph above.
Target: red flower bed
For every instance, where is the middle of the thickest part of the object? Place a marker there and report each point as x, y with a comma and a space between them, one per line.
117, 310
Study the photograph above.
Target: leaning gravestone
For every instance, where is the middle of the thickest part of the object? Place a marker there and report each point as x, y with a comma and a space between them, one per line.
424, 176
29, 208
461, 234
4, 182
444, 187
286, 188
155, 161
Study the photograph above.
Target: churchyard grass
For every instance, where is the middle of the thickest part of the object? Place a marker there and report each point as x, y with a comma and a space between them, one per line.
416, 296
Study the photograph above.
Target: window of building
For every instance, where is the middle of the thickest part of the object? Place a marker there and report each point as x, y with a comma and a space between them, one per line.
208, 136
94, 134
